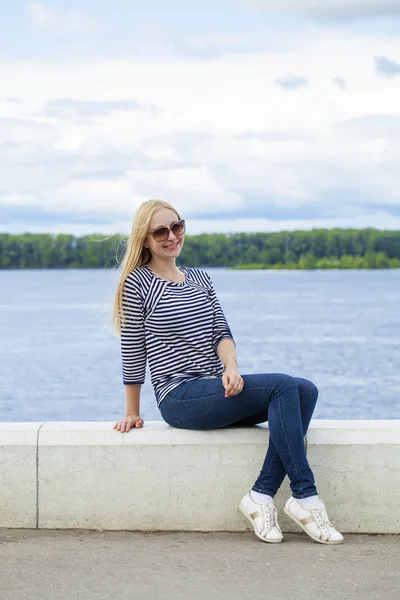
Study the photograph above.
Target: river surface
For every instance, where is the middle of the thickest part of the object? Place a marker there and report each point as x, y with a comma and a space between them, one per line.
59, 360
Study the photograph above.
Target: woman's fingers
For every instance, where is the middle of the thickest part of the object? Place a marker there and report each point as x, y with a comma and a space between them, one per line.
127, 424
235, 386
236, 390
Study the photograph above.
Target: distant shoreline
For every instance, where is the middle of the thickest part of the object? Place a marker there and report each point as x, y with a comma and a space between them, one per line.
250, 267
325, 267
288, 250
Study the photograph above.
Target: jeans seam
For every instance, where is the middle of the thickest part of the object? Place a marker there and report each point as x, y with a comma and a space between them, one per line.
269, 468
270, 464
287, 443
183, 400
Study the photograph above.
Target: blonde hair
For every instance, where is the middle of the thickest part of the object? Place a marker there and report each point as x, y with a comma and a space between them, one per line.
136, 254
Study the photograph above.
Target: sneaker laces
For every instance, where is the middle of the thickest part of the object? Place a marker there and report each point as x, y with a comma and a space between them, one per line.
321, 517
270, 515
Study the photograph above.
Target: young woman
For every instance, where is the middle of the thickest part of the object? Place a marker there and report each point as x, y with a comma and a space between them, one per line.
171, 317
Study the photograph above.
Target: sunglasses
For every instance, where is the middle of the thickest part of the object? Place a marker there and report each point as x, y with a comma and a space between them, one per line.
160, 234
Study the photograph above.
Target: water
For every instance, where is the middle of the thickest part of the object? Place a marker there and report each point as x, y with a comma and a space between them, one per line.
341, 329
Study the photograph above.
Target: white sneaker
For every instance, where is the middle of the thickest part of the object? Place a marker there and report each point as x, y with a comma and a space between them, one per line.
314, 521
263, 517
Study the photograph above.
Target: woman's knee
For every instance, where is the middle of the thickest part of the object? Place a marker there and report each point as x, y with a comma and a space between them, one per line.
307, 388
284, 382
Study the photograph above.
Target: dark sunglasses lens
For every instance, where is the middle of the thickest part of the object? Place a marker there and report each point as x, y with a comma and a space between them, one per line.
178, 228
160, 234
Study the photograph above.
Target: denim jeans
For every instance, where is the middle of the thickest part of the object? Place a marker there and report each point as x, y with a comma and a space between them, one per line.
286, 402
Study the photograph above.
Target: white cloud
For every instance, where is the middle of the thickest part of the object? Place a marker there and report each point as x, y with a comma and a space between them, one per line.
386, 67
340, 83
292, 82
331, 9
63, 21
224, 139
18, 200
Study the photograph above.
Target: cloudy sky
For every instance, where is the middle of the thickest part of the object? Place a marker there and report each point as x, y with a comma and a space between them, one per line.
245, 114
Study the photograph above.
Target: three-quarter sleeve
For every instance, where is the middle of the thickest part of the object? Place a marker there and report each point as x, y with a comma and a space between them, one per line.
221, 328
133, 343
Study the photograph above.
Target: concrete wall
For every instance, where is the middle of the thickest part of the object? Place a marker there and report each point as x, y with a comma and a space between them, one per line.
88, 475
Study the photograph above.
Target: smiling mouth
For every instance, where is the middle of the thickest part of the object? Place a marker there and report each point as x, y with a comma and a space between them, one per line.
172, 246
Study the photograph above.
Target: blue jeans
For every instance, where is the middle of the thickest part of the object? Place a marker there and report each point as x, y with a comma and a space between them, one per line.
286, 402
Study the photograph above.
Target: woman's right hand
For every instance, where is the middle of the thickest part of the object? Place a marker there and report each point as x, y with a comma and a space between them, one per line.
129, 421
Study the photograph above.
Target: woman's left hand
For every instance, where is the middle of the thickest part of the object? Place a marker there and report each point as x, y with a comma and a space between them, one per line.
232, 382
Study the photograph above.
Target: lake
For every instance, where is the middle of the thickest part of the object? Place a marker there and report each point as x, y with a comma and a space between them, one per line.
59, 360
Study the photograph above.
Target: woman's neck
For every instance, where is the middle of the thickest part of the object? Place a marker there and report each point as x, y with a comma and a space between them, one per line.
162, 267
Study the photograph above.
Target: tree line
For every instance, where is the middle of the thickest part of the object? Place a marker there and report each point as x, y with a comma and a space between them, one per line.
315, 249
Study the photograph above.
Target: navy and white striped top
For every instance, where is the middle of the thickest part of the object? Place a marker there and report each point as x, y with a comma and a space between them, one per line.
175, 326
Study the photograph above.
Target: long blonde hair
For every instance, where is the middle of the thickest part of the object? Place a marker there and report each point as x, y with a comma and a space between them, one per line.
136, 254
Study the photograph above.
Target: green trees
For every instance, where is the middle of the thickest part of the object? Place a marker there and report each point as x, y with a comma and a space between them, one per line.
315, 249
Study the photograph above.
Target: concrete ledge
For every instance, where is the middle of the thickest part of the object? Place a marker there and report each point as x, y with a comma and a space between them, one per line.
89, 476
18, 474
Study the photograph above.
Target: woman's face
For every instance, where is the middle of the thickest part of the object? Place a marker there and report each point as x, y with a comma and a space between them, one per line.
170, 247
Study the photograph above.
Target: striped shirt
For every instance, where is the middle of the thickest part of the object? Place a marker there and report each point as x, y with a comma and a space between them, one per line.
175, 326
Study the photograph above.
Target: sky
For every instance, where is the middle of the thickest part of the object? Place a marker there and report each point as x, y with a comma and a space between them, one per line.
246, 115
